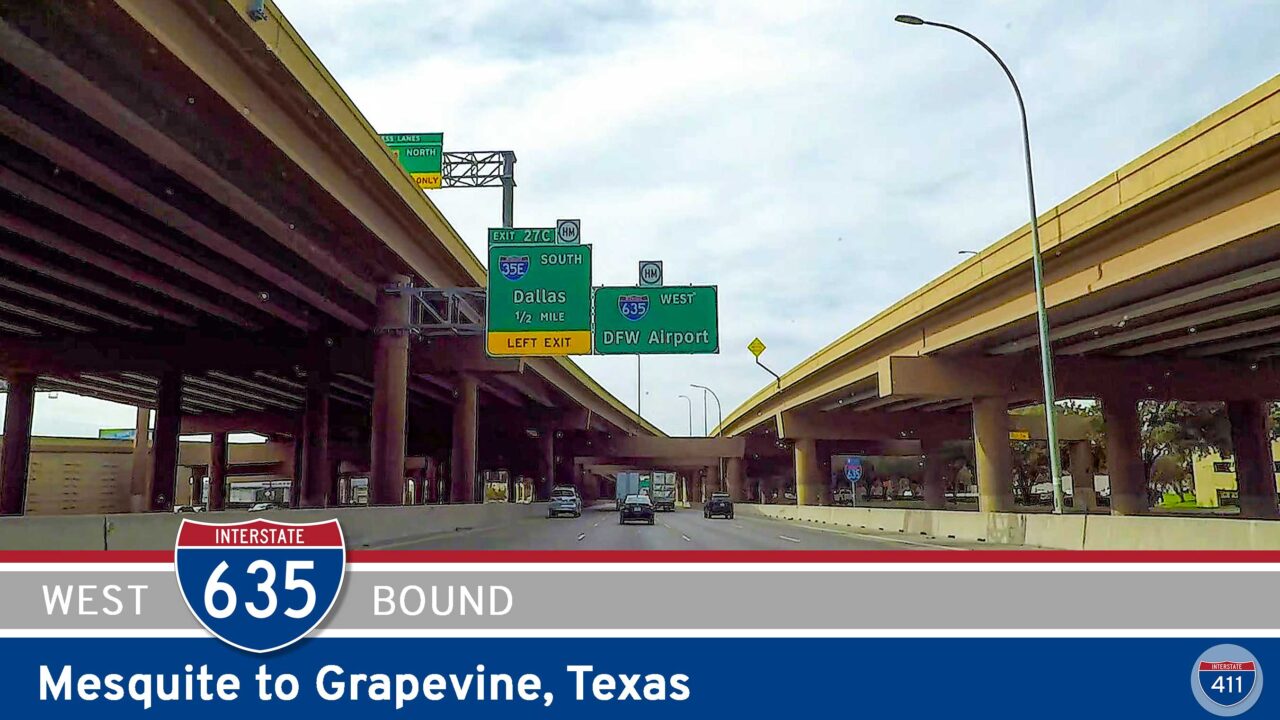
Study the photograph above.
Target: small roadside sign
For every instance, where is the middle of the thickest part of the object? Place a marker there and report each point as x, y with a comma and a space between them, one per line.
650, 273
756, 347
568, 232
1019, 435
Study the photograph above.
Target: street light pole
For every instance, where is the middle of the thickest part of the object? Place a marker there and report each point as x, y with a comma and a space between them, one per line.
638, 384
719, 424
719, 414
689, 400
1042, 314
705, 431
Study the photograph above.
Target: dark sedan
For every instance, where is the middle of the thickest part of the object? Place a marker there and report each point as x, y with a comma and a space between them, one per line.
718, 504
636, 507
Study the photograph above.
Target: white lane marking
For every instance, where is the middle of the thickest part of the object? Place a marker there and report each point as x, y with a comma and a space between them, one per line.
686, 537
596, 525
738, 526
580, 536
789, 539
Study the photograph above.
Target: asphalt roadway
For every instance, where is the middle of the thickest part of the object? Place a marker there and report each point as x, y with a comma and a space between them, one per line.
684, 529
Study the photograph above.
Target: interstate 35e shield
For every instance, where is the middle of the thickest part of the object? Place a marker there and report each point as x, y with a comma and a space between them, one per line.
260, 585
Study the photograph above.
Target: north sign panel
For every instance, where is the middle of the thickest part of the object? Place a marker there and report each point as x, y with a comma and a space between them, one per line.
539, 300
420, 154
657, 320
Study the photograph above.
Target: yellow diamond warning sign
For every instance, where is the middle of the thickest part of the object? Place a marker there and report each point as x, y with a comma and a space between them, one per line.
756, 347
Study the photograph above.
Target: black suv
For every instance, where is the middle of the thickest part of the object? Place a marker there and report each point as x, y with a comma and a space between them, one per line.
718, 504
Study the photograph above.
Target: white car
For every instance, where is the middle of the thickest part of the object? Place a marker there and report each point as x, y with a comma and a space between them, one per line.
260, 507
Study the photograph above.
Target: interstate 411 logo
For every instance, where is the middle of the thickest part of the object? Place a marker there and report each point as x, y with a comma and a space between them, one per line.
1226, 680
260, 585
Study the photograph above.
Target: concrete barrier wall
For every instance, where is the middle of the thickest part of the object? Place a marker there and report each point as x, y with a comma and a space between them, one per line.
1185, 533
66, 532
362, 527
1061, 532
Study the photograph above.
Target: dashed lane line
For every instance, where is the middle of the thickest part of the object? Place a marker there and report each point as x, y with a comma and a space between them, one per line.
789, 538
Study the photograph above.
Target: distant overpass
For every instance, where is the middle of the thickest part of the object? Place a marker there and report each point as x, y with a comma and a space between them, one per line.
195, 219
1163, 283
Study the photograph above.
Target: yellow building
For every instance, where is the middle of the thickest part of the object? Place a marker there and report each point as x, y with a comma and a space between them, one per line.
1215, 479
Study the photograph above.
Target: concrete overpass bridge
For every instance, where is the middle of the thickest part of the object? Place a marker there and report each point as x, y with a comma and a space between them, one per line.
196, 220
1163, 283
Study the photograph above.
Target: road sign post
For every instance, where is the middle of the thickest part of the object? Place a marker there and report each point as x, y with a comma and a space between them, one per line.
657, 320
420, 154
539, 295
756, 347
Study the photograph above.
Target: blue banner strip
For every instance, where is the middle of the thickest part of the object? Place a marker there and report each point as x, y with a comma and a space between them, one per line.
746, 678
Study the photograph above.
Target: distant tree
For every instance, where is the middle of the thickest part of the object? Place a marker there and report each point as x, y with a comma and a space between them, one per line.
1030, 465
1182, 431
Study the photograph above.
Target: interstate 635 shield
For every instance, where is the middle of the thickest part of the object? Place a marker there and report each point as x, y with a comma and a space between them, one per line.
633, 307
260, 585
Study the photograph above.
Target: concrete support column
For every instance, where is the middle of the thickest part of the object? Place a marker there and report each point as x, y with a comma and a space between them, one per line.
1084, 498
198, 473
462, 465
390, 395
295, 474
734, 481
547, 456
19, 409
994, 458
1255, 467
138, 492
218, 471
164, 451
335, 481
315, 443
1124, 456
808, 476
713, 482
693, 488
935, 487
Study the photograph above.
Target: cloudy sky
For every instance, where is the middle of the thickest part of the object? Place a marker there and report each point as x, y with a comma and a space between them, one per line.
815, 160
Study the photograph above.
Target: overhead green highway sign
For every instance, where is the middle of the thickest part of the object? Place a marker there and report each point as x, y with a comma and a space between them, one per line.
420, 154
539, 300
657, 320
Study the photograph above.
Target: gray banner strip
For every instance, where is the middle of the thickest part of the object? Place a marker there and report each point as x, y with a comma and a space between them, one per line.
699, 601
